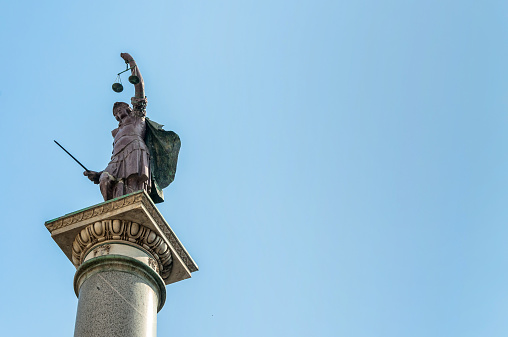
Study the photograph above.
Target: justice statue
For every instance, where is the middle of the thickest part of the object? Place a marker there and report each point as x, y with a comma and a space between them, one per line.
144, 155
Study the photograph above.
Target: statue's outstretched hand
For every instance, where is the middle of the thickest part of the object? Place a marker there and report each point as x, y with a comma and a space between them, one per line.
127, 57
93, 176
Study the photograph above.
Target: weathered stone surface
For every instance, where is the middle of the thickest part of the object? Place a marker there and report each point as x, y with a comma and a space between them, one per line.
118, 296
134, 208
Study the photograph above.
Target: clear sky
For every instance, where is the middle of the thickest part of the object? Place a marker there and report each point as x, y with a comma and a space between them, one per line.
343, 169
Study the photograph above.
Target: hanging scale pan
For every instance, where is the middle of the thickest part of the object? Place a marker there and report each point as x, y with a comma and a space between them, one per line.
117, 86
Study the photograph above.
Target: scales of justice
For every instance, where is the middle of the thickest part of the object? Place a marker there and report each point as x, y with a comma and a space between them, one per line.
124, 252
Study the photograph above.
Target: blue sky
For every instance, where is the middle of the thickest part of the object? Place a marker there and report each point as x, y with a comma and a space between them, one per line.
343, 169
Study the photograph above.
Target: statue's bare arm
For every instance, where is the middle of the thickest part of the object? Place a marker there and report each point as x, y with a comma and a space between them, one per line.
140, 87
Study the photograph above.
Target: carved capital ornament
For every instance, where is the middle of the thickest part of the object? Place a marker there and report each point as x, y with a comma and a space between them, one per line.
127, 232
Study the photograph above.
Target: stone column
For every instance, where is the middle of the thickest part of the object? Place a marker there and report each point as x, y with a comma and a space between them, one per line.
125, 254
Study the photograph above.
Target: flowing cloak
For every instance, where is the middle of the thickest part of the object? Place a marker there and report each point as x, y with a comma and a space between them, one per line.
163, 147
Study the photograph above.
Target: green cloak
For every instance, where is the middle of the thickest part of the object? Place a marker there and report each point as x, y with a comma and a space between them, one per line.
164, 147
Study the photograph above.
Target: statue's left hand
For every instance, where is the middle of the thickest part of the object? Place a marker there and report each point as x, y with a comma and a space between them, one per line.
127, 57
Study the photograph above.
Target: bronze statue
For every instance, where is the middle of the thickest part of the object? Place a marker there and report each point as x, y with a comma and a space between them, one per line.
144, 155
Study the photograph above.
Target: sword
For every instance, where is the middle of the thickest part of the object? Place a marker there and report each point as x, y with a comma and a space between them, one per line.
77, 161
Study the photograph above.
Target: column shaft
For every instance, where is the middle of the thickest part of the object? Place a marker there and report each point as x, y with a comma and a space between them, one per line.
118, 296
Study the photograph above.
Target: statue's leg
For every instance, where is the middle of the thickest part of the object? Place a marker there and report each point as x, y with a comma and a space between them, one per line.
106, 182
135, 183
119, 188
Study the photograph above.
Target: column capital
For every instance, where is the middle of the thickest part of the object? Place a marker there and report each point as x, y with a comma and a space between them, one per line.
98, 239
130, 219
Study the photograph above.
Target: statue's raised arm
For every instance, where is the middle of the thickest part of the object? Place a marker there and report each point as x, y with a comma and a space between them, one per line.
140, 87
139, 100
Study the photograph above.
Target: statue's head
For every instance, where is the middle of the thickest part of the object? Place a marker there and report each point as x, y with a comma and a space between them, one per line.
121, 110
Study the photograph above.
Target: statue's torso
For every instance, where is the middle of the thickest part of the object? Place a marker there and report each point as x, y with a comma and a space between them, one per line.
134, 128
